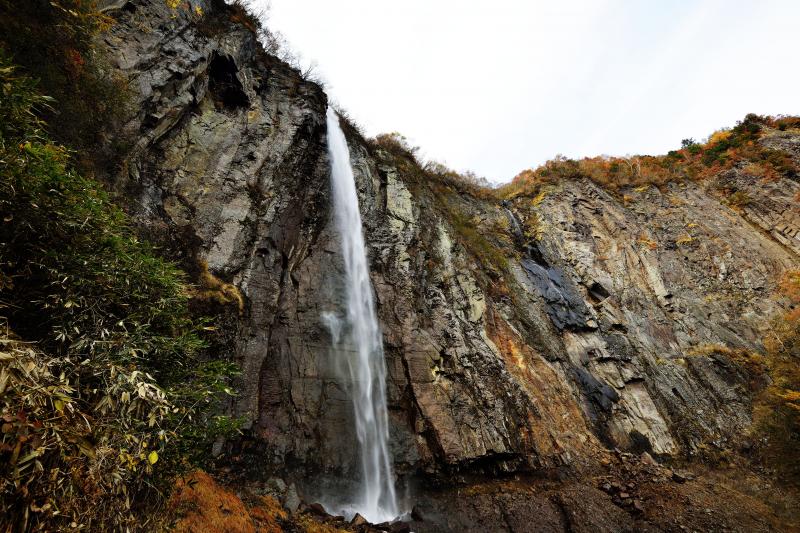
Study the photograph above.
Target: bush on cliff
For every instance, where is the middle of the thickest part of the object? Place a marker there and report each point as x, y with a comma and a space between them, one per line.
103, 393
53, 41
449, 189
725, 149
779, 413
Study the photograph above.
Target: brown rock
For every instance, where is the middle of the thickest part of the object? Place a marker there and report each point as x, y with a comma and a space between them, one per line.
400, 527
682, 476
358, 520
394, 527
319, 510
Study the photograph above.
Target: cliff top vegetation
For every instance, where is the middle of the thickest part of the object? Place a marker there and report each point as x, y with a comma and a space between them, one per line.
739, 146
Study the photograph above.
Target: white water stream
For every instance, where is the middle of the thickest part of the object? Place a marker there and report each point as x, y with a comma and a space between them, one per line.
357, 338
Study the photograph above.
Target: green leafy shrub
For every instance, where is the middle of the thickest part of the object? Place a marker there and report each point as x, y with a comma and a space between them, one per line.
53, 40
481, 248
738, 199
114, 398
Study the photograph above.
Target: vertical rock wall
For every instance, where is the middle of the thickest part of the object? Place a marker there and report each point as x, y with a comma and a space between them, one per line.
590, 344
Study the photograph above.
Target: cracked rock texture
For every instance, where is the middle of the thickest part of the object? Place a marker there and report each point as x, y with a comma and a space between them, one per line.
590, 341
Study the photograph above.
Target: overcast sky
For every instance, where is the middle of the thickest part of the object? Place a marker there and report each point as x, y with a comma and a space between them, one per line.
497, 86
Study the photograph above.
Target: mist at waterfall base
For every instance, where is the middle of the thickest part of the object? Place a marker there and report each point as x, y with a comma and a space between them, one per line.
357, 344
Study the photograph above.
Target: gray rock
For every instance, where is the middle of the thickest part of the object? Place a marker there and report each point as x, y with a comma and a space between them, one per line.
593, 345
216, 448
291, 501
275, 486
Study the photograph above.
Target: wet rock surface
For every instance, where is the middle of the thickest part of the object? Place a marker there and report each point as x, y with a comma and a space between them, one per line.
586, 342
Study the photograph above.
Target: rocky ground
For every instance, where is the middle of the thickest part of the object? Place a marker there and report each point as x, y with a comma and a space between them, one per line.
626, 493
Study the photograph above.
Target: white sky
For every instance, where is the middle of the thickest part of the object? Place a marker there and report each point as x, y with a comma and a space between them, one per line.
497, 86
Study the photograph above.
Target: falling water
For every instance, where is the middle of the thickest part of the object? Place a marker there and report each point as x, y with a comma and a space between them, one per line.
517, 227
360, 333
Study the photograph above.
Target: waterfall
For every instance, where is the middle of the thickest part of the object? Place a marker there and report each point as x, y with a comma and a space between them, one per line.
357, 339
514, 222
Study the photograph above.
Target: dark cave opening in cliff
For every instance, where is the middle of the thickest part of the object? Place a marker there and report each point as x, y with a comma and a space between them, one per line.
224, 86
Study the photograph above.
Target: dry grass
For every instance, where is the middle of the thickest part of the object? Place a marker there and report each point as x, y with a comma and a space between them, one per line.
778, 413
211, 289
204, 506
725, 149
201, 505
754, 364
267, 515
309, 525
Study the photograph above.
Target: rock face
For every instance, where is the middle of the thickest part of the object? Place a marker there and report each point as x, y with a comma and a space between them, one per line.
609, 327
664, 275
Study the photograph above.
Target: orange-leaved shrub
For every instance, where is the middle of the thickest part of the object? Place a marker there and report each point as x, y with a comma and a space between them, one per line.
725, 149
778, 416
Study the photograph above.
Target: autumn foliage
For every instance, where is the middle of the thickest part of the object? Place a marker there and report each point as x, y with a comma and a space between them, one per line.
202, 505
725, 149
779, 414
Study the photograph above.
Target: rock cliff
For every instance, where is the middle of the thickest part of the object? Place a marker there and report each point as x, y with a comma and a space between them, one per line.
606, 322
